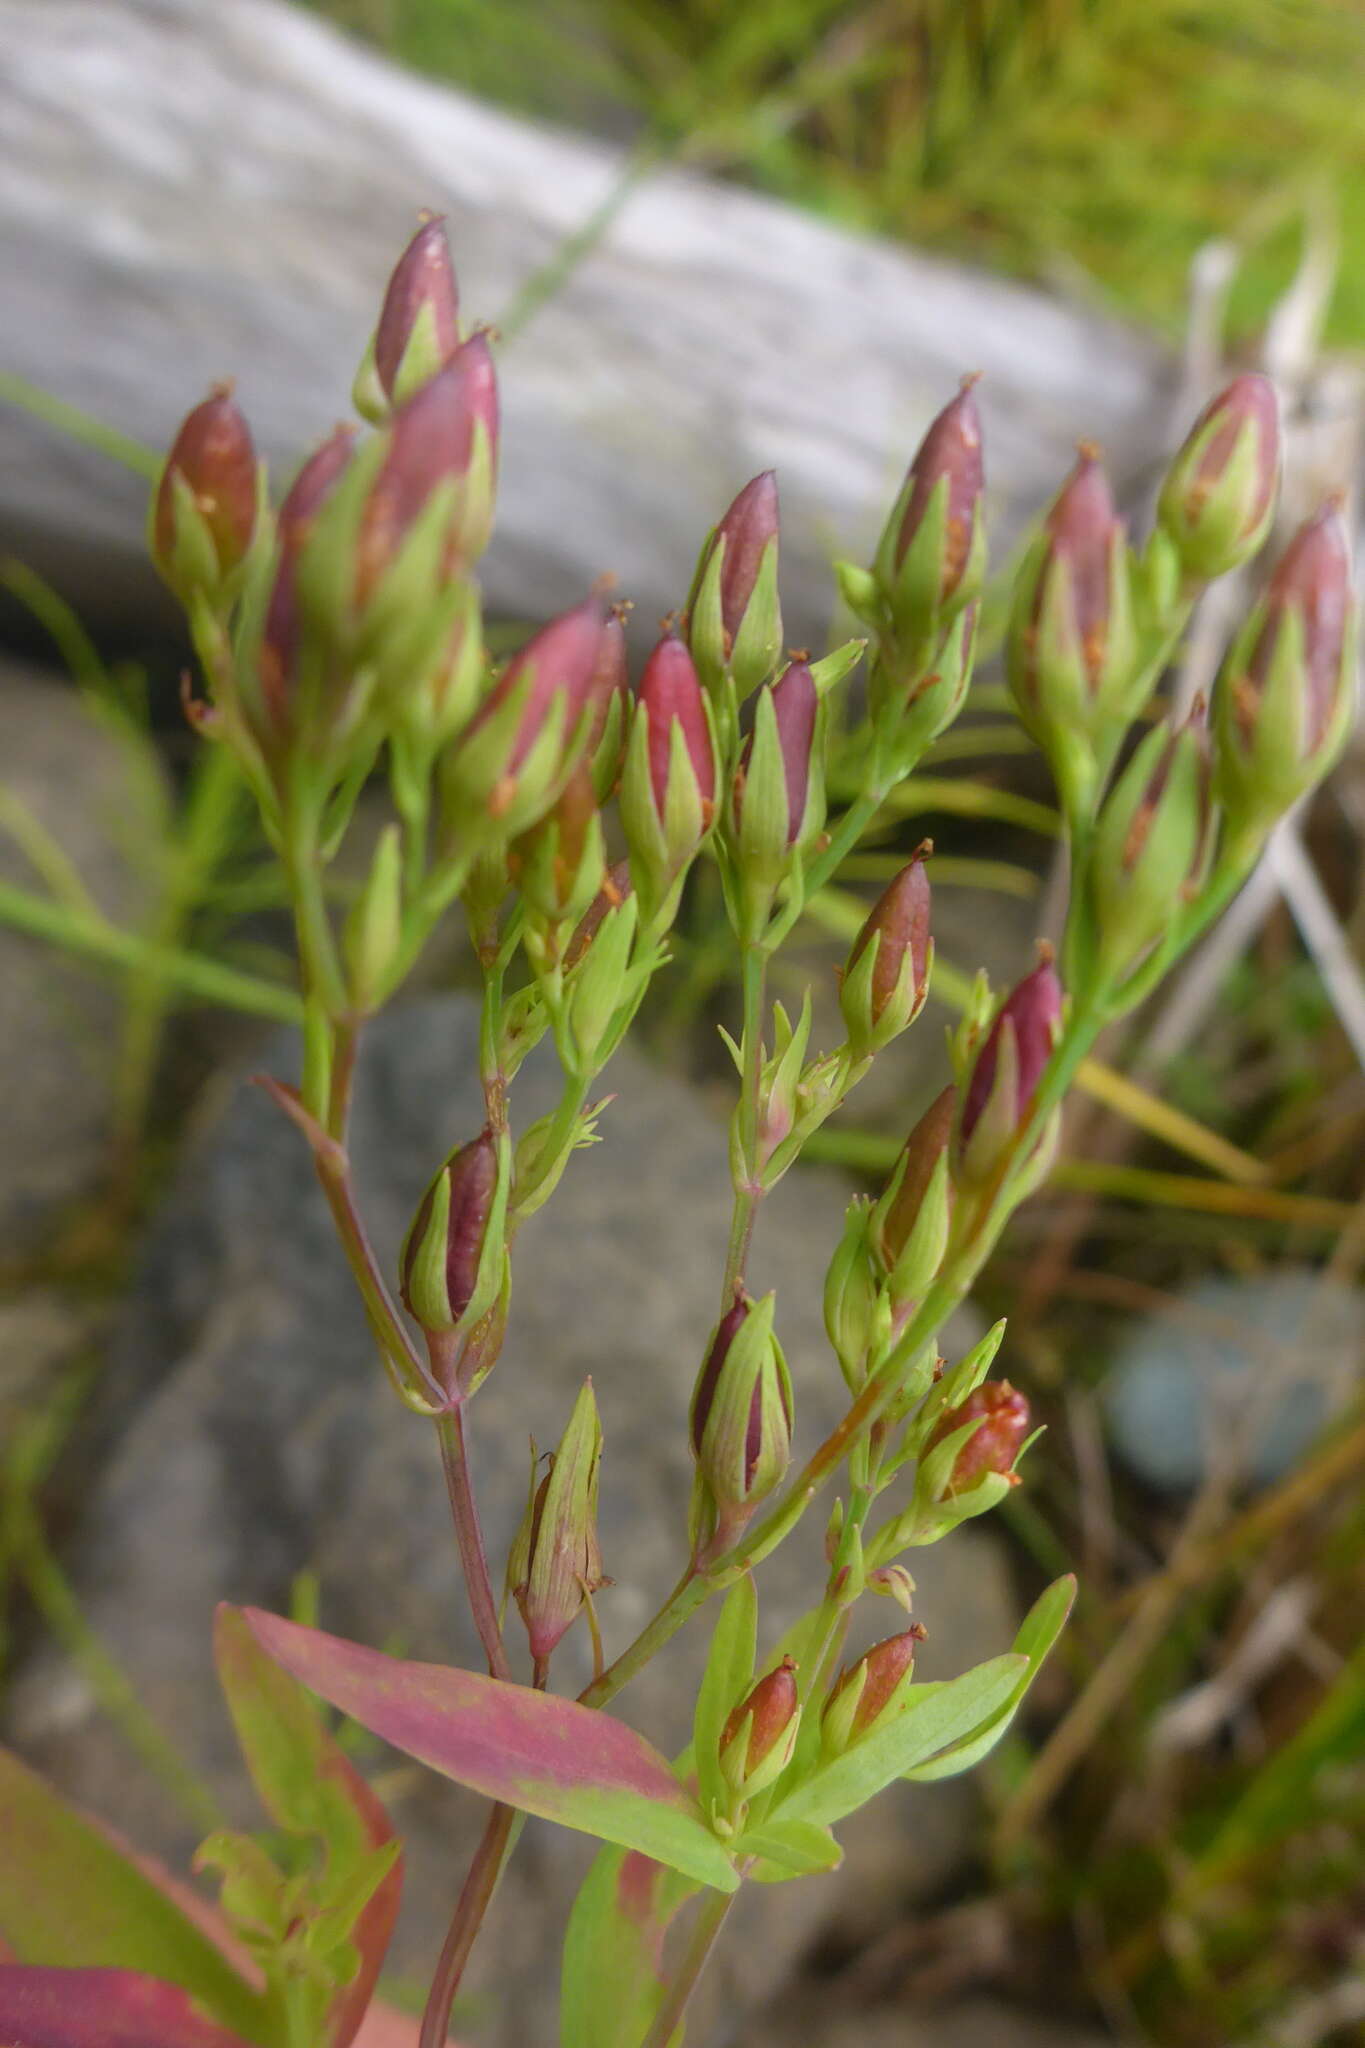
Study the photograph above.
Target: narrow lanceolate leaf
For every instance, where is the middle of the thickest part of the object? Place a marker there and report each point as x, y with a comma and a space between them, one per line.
70, 1898
614, 1950
1041, 1627
308, 1786
52, 2008
788, 1848
544, 1755
729, 1668
934, 1718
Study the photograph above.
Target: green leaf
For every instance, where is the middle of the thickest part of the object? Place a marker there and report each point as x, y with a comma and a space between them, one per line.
613, 1950
528, 1749
932, 1720
729, 1667
789, 1848
69, 1898
1041, 1627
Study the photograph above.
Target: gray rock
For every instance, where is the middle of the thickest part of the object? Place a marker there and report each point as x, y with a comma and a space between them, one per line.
190, 191
1239, 1374
59, 1016
253, 1436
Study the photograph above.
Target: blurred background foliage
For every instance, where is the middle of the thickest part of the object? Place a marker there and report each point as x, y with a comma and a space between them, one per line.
1092, 143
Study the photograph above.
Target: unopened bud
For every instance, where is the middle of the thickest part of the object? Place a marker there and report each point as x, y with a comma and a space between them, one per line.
1151, 843
532, 728
1071, 652
778, 798
205, 505
886, 979
419, 323
850, 1302
281, 659
555, 1563
734, 617
1219, 494
1005, 1075
373, 935
931, 559
1002, 1416
758, 1740
559, 864
909, 1226
668, 790
610, 696
616, 886
741, 1417
1285, 698
444, 1263
871, 1692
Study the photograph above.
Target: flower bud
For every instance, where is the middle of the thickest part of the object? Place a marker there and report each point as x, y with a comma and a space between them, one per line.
204, 508
871, 1692
419, 322
615, 888
741, 1415
668, 790
1219, 494
372, 939
850, 1299
1072, 650
1151, 843
555, 1563
886, 979
1005, 1075
559, 864
610, 695
522, 744
758, 1740
734, 617
931, 559
1285, 697
443, 1263
281, 659
603, 981
778, 797
994, 1444
909, 1226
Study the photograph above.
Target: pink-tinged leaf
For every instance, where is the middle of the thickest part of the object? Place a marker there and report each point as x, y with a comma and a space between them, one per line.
308, 1785
51, 2008
69, 1897
547, 1756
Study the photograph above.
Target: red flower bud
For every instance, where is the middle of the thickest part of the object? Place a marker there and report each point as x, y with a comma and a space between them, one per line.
894, 1220
994, 1446
214, 456
423, 281
613, 892
889, 995
741, 1415
734, 618
869, 1689
305, 498
747, 528
796, 704
439, 1266
670, 694
1031, 1013
950, 452
564, 656
773, 1710
1312, 580
1083, 529
435, 438
610, 695
1218, 497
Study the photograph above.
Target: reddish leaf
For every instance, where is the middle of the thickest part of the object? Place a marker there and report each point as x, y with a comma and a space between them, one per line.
547, 1756
47, 2008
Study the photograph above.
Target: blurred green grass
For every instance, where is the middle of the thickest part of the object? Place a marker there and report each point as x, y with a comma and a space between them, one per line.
1096, 142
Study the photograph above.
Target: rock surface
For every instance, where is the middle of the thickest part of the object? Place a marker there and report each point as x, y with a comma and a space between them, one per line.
68, 775
251, 1435
191, 191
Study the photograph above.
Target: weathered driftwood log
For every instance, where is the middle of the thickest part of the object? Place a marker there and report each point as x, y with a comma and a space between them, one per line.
190, 190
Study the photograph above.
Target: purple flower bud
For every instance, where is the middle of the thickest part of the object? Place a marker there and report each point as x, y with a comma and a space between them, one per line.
671, 694
214, 456
995, 1445
746, 529
562, 658
796, 705
308, 493
423, 281
434, 439
921, 1153
892, 993
951, 452
1218, 497
439, 1266
1031, 1014
1313, 581
1083, 529
611, 697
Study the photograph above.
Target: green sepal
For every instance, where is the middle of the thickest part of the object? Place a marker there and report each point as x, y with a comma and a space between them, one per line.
788, 1849
373, 934
729, 1671
758, 642
835, 667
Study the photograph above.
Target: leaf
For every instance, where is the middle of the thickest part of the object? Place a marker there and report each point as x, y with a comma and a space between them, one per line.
613, 1950
56, 2008
309, 1786
729, 1667
930, 1722
528, 1749
70, 1897
1041, 1627
789, 1848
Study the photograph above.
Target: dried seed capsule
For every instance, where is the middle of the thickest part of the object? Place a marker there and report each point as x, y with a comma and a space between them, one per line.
555, 1563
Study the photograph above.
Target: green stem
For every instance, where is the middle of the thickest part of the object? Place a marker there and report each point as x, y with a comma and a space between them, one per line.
705, 1929
748, 1188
